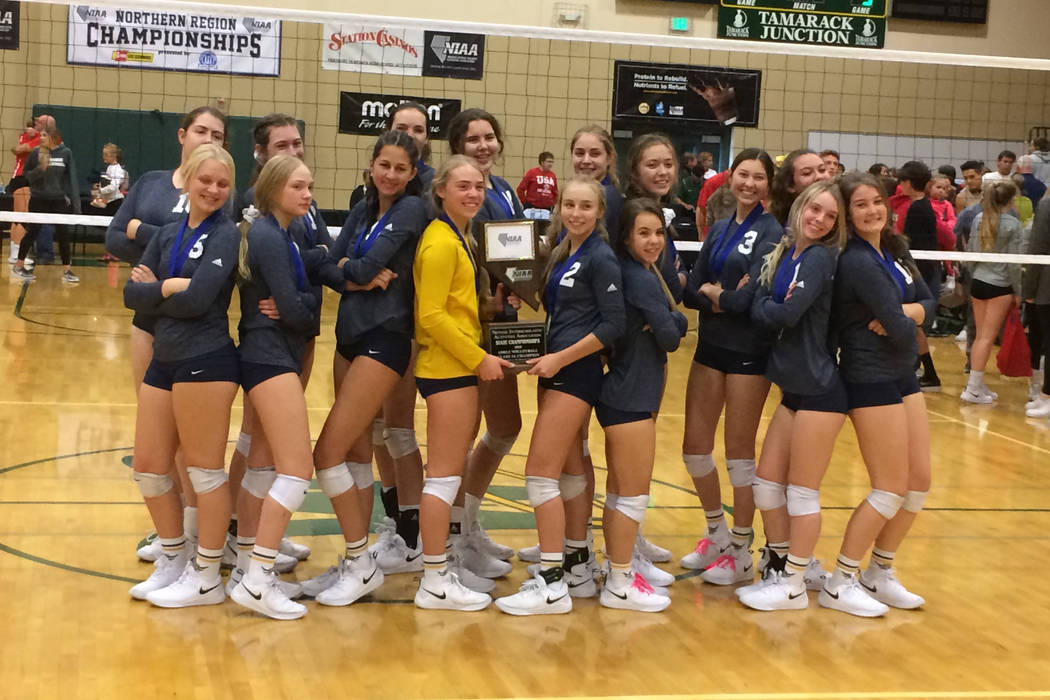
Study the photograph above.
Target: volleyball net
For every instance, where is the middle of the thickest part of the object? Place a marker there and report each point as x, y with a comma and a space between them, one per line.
125, 73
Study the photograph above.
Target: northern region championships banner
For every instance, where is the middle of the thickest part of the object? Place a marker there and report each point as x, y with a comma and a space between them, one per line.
153, 39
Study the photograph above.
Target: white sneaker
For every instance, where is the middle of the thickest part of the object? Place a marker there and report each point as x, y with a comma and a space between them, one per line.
705, 554
850, 597
650, 551
970, 396
580, 580
394, 557
385, 531
815, 576
530, 554
447, 593
290, 589
284, 564
189, 590
1039, 408
767, 578
537, 597
269, 600
732, 567
357, 578
150, 549
1035, 390
313, 587
475, 559
961, 338
166, 571
487, 545
649, 571
776, 594
294, 549
882, 585
467, 577
639, 595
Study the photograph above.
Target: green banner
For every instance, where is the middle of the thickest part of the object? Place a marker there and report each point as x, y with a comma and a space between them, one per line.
748, 19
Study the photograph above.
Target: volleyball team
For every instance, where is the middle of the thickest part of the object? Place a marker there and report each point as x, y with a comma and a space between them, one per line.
817, 295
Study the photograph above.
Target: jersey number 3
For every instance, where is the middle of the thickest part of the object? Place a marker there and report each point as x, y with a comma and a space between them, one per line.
748, 244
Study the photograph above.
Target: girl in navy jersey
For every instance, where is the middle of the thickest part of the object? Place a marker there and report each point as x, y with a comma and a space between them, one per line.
880, 298
594, 155
185, 280
272, 347
477, 134
799, 170
584, 301
374, 342
794, 301
728, 369
412, 118
630, 397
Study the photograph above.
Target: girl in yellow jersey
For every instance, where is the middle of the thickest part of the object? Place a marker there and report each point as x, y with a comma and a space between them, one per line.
448, 366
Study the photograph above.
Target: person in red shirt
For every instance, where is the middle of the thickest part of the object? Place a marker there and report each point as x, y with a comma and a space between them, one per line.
710, 186
18, 187
538, 190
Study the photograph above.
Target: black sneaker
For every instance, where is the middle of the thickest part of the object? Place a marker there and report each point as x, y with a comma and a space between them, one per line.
927, 383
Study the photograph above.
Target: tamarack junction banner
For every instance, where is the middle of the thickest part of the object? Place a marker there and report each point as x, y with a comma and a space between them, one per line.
858, 23
104, 36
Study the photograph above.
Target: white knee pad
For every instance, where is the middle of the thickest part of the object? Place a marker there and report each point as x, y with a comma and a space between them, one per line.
699, 465
541, 489
244, 443
802, 501
378, 432
769, 495
443, 487
571, 485
258, 480
335, 481
499, 444
361, 473
152, 485
633, 507
289, 491
206, 480
886, 503
400, 442
914, 500
611, 500
741, 472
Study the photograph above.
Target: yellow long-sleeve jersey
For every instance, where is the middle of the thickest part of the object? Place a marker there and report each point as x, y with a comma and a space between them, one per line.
447, 327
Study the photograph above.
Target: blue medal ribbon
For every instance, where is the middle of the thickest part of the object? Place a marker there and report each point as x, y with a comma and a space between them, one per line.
786, 274
368, 235
551, 296
297, 260
891, 267
311, 224
180, 253
725, 244
497, 195
463, 242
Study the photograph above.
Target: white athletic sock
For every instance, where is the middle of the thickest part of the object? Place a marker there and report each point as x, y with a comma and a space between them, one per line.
717, 531
245, 545
620, 577
189, 521
471, 508
356, 549
260, 564
208, 561
976, 380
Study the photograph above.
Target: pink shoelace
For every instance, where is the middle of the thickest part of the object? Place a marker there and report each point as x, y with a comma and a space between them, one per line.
640, 584
724, 562
703, 545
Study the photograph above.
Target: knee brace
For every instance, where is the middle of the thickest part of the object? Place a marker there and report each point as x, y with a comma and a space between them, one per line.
258, 480
443, 487
741, 472
289, 491
913, 501
633, 507
378, 432
886, 503
769, 495
361, 472
244, 443
152, 485
499, 444
335, 481
571, 485
206, 480
541, 489
802, 501
699, 465
400, 442
611, 500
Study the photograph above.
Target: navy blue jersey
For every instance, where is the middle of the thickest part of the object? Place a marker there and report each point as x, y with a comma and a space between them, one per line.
732, 328
192, 322
310, 233
635, 380
588, 288
865, 291
275, 272
425, 175
613, 207
155, 202
802, 360
370, 248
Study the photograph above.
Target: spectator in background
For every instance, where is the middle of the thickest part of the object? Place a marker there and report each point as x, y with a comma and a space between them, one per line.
1023, 205
953, 188
707, 165
1031, 186
1004, 165
938, 192
18, 187
688, 190
711, 185
538, 190
832, 162
113, 184
970, 194
1041, 159
359, 192
879, 170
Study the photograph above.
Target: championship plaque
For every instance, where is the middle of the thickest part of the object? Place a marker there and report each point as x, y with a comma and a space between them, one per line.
510, 254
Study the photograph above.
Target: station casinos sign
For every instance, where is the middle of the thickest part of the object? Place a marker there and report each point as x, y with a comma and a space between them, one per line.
856, 23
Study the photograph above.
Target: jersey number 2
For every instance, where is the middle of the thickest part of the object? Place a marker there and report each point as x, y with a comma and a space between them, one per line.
567, 279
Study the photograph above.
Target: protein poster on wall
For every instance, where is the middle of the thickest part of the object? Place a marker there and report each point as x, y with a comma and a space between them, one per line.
372, 49
158, 40
655, 92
